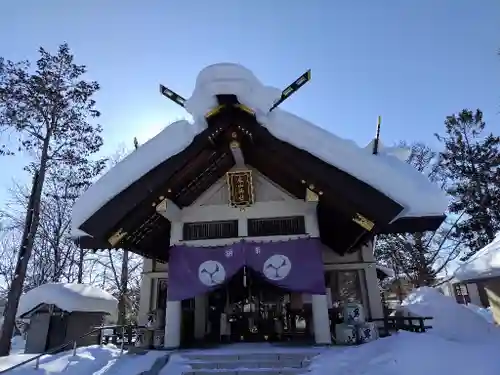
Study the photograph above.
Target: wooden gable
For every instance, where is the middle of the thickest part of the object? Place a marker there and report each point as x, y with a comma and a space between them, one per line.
349, 210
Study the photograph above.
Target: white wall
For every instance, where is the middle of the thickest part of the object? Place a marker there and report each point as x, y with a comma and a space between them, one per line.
270, 201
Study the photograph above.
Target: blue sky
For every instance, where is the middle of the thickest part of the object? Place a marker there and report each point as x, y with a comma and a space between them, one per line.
412, 62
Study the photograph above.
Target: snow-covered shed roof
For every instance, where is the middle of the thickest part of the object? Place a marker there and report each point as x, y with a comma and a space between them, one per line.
380, 187
68, 297
383, 272
484, 264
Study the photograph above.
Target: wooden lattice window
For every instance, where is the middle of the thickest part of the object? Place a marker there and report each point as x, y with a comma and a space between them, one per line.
280, 226
210, 230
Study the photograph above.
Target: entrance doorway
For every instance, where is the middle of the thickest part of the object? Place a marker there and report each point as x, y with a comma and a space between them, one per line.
247, 308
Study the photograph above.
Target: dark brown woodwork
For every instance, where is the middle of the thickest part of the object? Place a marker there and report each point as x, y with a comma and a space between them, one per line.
185, 176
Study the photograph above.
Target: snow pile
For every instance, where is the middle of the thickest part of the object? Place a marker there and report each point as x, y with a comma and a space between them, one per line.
68, 297
17, 345
484, 312
484, 264
88, 360
408, 353
384, 172
451, 320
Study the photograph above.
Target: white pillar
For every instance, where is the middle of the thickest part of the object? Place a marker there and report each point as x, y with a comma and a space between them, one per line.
200, 316
474, 294
144, 300
321, 320
173, 318
173, 315
373, 291
145, 294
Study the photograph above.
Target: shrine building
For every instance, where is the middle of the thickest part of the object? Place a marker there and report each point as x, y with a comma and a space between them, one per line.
253, 214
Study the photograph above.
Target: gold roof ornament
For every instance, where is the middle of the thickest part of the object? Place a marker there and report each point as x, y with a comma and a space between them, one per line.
162, 206
311, 196
117, 237
363, 222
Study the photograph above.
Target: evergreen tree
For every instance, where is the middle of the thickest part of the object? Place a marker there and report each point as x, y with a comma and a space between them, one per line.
419, 257
48, 107
470, 162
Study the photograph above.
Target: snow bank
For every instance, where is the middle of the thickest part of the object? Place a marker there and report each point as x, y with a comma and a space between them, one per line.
385, 172
88, 360
483, 312
68, 297
482, 265
451, 320
408, 353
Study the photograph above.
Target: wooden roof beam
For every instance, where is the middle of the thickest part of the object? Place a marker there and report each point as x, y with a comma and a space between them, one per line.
168, 209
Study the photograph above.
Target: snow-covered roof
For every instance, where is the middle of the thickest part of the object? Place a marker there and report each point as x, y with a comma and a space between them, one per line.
384, 172
385, 270
482, 265
68, 297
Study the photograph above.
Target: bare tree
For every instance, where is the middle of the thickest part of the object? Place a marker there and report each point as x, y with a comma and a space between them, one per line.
9, 240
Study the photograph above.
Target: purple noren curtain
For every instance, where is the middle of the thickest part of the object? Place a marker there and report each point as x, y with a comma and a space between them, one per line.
295, 265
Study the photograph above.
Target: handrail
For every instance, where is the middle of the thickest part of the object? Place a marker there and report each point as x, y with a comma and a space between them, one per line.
74, 341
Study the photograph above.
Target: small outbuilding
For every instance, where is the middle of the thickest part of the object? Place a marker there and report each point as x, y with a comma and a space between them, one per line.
483, 271
59, 313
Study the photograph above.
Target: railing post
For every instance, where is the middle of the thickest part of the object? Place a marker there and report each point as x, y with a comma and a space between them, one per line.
37, 363
123, 340
386, 325
74, 348
129, 335
99, 337
422, 325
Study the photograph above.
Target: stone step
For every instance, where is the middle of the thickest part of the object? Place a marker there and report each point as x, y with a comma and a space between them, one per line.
261, 371
250, 364
221, 357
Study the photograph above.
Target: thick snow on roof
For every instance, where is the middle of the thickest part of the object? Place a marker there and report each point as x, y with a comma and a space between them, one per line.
172, 140
482, 265
386, 270
387, 173
69, 297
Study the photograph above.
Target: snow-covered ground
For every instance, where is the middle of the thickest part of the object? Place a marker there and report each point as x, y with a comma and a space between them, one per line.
461, 342
92, 360
411, 354
484, 312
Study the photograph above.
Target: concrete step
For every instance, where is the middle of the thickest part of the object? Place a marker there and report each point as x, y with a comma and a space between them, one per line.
250, 364
253, 357
261, 371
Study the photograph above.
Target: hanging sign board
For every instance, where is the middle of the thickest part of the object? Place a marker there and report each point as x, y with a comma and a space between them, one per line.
240, 186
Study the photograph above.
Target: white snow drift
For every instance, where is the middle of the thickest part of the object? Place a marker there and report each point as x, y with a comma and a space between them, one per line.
451, 320
384, 172
69, 297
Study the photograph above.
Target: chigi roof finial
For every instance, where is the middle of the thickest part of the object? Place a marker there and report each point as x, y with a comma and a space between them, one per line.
377, 136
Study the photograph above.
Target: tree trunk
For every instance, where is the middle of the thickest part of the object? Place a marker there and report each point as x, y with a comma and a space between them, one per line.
30, 228
122, 303
80, 266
